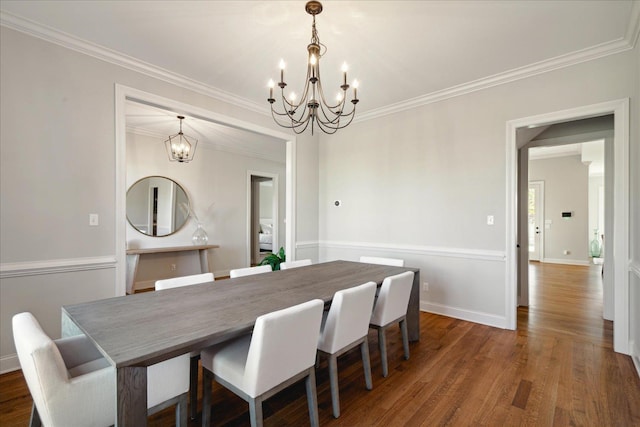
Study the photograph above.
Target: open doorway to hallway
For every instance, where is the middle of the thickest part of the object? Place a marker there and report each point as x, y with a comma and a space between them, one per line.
617, 200
562, 177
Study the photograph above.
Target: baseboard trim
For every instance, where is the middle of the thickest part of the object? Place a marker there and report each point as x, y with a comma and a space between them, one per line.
566, 261
9, 363
462, 314
33, 268
485, 255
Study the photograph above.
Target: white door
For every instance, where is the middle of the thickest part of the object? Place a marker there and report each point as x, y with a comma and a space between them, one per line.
536, 219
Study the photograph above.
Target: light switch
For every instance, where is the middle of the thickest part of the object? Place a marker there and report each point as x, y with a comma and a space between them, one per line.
489, 219
94, 220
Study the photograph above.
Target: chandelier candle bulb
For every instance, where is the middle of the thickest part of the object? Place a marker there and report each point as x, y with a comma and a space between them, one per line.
282, 71
345, 68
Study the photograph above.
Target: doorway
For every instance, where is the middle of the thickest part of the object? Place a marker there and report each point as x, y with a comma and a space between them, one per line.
262, 227
536, 218
124, 95
617, 211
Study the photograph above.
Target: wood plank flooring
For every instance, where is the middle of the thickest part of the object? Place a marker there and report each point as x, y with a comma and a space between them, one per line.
557, 369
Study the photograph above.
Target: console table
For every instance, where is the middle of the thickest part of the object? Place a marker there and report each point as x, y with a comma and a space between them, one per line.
133, 259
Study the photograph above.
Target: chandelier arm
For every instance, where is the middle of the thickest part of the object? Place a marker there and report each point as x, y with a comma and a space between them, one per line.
287, 125
339, 105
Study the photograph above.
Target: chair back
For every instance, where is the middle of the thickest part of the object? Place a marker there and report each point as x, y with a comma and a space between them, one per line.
295, 264
348, 318
59, 398
248, 271
382, 261
283, 344
41, 362
393, 298
176, 282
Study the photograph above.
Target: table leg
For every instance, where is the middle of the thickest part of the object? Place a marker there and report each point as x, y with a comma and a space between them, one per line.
131, 395
204, 261
413, 311
132, 269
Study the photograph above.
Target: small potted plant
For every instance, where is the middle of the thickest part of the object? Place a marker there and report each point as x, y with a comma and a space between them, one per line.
274, 260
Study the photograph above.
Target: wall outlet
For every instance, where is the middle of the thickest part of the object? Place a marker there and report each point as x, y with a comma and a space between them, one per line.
425, 286
172, 267
94, 220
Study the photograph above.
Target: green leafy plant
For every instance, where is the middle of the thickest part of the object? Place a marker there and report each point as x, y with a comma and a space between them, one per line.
274, 260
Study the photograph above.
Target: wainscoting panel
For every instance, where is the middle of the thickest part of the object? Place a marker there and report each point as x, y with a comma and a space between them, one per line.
467, 284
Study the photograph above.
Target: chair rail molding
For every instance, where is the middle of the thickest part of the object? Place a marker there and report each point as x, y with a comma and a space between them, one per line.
54, 266
478, 254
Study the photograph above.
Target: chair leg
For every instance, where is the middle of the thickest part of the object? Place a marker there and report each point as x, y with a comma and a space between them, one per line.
35, 417
333, 380
366, 363
312, 399
255, 411
405, 338
207, 378
181, 410
382, 341
193, 387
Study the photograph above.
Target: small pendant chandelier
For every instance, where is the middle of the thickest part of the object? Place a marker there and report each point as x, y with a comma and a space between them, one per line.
180, 147
313, 107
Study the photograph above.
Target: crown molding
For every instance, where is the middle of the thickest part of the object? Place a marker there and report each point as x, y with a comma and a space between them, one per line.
66, 40
69, 41
563, 61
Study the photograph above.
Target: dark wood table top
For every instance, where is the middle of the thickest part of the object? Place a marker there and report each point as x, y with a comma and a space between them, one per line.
146, 328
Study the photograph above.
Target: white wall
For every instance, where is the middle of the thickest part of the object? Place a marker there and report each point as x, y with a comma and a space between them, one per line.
428, 177
566, 189
216, 183
57, 165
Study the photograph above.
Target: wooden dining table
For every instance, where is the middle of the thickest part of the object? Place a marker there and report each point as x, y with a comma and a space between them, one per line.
136, 331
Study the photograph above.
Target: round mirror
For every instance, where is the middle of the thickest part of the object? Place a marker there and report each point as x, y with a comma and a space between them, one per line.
157, 206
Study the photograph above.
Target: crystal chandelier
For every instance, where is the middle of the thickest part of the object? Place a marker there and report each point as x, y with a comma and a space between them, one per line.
180, 147
313, 107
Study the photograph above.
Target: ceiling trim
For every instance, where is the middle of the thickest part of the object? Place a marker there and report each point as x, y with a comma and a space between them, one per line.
69, 41
595, 52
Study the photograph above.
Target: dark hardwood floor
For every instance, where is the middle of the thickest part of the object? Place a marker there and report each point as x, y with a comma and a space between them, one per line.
558, 368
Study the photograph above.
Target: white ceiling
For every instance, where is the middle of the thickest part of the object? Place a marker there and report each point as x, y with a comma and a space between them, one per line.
400, 51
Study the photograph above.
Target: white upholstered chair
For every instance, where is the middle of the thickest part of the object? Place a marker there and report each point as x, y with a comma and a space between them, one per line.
248, 271
280, 351
390, 308
382, 261
177, 282
73, 385
346, 326
294, 264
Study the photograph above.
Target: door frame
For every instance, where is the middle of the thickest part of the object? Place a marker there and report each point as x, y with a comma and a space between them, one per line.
542, 224
124, 94
620, 260
275, 210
